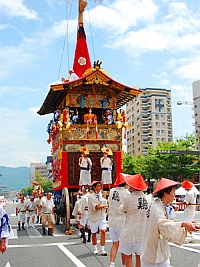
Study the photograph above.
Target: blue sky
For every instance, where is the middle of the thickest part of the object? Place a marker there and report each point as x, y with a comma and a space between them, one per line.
142, 43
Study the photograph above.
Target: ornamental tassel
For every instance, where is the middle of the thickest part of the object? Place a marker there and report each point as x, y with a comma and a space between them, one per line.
96, 132
124, 133
87, 132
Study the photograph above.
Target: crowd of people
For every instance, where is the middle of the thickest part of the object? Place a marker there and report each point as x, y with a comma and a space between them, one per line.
140, 224
30, 210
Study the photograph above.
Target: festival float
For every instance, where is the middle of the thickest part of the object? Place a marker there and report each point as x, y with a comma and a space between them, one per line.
90, 97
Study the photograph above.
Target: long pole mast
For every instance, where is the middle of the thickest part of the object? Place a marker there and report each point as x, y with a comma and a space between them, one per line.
82, 5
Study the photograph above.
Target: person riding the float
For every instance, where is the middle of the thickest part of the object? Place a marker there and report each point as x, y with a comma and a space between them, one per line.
85, 164
106, 166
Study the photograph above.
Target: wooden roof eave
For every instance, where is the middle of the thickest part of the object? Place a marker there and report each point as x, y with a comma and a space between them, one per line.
57, 92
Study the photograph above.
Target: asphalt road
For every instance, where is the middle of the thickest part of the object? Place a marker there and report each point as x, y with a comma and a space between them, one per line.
30, 248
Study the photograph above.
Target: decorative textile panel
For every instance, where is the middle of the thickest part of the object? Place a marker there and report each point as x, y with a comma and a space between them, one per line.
74, 169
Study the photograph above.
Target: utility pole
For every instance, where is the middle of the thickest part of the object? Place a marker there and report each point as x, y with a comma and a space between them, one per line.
196, 123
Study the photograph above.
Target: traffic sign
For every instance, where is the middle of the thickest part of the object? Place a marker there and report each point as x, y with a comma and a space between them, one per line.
179, 152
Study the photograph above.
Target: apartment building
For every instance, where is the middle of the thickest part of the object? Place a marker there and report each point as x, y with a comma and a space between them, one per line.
196, 98
149, 117
40, 168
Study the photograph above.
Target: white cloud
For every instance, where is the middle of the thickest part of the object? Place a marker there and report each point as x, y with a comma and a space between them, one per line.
182, 92
12, 57
3, 26
176, 30
21, 129
16, 8
190, 71
11, 90
121, 15
52, 2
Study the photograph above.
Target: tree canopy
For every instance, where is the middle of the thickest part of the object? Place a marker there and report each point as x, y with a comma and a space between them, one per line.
173, 166
45, 184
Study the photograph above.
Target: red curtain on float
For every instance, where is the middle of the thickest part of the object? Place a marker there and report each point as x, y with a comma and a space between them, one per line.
118, 165
81, 57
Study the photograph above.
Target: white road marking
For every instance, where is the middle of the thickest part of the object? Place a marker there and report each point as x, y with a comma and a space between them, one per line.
57, 233
186, 248
33, 233
41, 245
71, 256
13, 215
7, 264
15, 234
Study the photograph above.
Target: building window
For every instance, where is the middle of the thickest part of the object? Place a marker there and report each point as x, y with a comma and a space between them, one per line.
162, 117
138, 141
157, 124
138, 134
157, 117
159, 105
162, 124
163, 132
158, 132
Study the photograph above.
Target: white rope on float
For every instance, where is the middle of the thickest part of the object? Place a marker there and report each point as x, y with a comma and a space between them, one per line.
66, 36
91, 33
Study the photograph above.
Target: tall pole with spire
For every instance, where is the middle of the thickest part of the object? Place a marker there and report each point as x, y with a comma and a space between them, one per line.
81, 8
81, 57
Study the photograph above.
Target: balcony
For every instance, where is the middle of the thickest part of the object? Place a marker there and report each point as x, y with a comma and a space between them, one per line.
91, 132
144, 127
145, 119
145, 150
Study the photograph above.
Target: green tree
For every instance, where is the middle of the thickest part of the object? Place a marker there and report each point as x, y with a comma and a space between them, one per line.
173, 166
27, 191
46, 185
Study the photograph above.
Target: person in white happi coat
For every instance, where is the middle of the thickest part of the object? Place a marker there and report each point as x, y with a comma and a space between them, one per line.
116, 218
75, 211
134, 206
83, 214
38, 200
158, 229
85, 164
97, 207
106, 166
21, 212
72, 75
31, 211
47, 210
5, 226
190, 209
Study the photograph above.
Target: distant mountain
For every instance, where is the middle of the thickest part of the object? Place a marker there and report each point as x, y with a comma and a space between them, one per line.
14, 179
